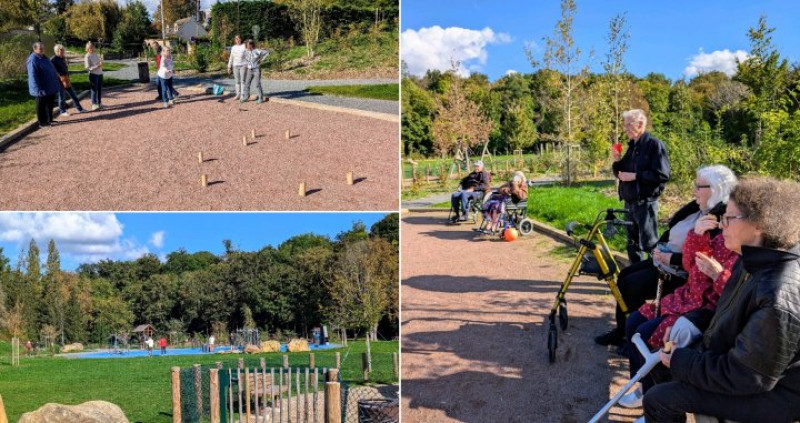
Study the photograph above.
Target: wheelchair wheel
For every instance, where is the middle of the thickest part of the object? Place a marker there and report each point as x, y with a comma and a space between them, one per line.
525, 227
563, 317
552, 343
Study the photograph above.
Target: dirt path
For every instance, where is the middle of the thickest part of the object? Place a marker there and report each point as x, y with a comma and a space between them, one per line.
474, 331
136, 155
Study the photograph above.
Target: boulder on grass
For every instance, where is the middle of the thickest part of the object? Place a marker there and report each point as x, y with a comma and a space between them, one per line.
72, 347
88, 412
252, 349
270, 346
298, 345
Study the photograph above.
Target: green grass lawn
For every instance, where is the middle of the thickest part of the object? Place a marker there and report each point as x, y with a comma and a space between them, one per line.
107, 67
378, 92
141, 386
18, 107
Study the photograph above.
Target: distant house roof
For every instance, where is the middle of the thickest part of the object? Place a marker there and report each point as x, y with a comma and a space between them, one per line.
142, 328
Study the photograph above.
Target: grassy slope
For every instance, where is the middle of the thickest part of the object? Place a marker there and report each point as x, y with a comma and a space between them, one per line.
18, 107
379, 92
141, 386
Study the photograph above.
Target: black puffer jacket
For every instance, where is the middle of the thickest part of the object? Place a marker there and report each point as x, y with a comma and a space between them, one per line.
753, 343
648, 159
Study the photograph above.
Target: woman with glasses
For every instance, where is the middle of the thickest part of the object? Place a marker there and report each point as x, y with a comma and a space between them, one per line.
747, 367
708, 264
638, 282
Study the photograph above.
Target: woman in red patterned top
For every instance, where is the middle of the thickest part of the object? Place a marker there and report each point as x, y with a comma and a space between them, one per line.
708, 264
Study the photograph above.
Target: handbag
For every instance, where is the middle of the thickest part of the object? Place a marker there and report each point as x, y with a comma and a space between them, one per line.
65, 82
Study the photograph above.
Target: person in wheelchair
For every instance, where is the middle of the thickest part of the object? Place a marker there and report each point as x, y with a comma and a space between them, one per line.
639, 282
514, 191
473, 187
747, 364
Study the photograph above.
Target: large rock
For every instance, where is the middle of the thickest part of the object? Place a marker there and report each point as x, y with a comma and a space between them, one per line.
88, 412
298, 345
270, 346
72, 347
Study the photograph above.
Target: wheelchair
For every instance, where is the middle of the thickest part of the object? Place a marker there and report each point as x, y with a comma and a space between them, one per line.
511, 216
594, 258
473, 210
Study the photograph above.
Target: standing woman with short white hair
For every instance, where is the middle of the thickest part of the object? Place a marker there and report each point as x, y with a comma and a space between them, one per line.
61, 64
94, 65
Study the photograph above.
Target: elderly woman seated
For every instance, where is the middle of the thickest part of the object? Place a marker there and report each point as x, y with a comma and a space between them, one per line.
515, 190
747, 367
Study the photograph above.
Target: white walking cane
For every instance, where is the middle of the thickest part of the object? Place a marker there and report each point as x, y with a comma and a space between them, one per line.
651, 359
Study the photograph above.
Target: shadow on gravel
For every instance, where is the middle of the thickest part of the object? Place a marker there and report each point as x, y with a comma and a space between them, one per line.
451, 284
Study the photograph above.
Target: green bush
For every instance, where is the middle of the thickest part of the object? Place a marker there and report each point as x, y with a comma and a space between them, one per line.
201, 57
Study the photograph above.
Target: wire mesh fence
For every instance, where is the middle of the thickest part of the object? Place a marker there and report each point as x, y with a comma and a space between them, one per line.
370, 404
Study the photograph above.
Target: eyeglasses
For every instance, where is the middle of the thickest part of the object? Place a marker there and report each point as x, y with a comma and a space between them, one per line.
725, 220
696, 187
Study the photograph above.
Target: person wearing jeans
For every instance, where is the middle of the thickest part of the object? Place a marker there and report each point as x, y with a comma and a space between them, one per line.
62, 67
236, 64
165, 72
252, 63
473, 186
43, 84
642, 171
94, 65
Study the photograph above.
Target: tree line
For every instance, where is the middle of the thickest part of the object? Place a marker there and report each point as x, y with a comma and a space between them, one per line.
749, 121
350, 282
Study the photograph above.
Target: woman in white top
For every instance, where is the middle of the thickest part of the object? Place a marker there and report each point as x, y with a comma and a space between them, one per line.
165, 72
236, 64
94, 64
252, 61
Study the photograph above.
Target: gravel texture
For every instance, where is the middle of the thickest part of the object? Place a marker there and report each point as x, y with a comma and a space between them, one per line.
136, 155
474, 331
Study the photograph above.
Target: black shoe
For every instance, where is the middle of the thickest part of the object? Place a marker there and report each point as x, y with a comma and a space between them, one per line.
611, 337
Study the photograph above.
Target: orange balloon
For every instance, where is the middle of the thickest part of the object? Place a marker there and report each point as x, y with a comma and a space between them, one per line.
510, 234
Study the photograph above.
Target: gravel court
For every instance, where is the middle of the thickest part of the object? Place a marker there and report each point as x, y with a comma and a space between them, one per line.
474, 331
135, 155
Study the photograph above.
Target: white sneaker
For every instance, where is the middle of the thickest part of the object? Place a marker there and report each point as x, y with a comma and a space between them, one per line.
172, 102
95, 107
632, 399
64, 114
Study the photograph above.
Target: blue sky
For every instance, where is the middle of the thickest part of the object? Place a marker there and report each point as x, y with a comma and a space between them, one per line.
90, 237
666, 36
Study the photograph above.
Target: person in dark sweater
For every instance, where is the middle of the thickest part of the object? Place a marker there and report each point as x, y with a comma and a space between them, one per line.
642, 171
639, 282
747, 366
62, 67
43, 84
473, 186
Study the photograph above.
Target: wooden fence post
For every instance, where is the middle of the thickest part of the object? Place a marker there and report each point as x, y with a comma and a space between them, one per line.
213, 396
241, 363
365, 365
338, 361
333, 402
176, 395
395, 366
198, 388
247, 394
311, 361
3, 417
285, 361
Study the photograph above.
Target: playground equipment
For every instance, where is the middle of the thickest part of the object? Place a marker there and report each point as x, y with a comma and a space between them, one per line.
241, 338
595, 259
651, 359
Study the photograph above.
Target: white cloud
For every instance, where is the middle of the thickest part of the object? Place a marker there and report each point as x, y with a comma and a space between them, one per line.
157, 239
511, 72
436, 48
88, 237
719, 60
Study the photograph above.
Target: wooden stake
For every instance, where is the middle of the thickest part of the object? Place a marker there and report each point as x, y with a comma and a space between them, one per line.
311, 360
241, 363
285, 361
333, 403
349, 178
204, 180
200, 157
213, 396
338, 361
302, 190
253, 133
247, 394
395, 366
288, 134
176, 395
3, 416
198, 388
244, 140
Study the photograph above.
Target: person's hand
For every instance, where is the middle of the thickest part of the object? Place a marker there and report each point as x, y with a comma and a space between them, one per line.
705, 223
666, 358
708, 265
661, 257
626, 176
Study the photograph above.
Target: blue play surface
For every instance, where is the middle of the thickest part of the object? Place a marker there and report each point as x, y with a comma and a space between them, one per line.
175, 351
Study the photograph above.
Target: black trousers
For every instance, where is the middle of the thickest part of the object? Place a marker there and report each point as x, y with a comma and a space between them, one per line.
643, 235
638, 283
669, 402
44, 109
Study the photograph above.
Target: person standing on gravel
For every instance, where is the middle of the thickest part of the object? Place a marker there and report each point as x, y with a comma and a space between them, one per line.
42, 84
236, 64
62, 67
94, 65
165, 72
643, 172
252, 62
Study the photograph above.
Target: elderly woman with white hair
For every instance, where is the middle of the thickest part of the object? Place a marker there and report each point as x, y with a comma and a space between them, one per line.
708, 263
62, 67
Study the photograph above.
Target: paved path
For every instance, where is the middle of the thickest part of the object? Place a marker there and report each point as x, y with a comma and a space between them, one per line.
289, 89
474, 332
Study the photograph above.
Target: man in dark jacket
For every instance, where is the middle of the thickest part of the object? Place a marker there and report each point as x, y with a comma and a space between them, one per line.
642, 171
473, 186
43, 84
748, 366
